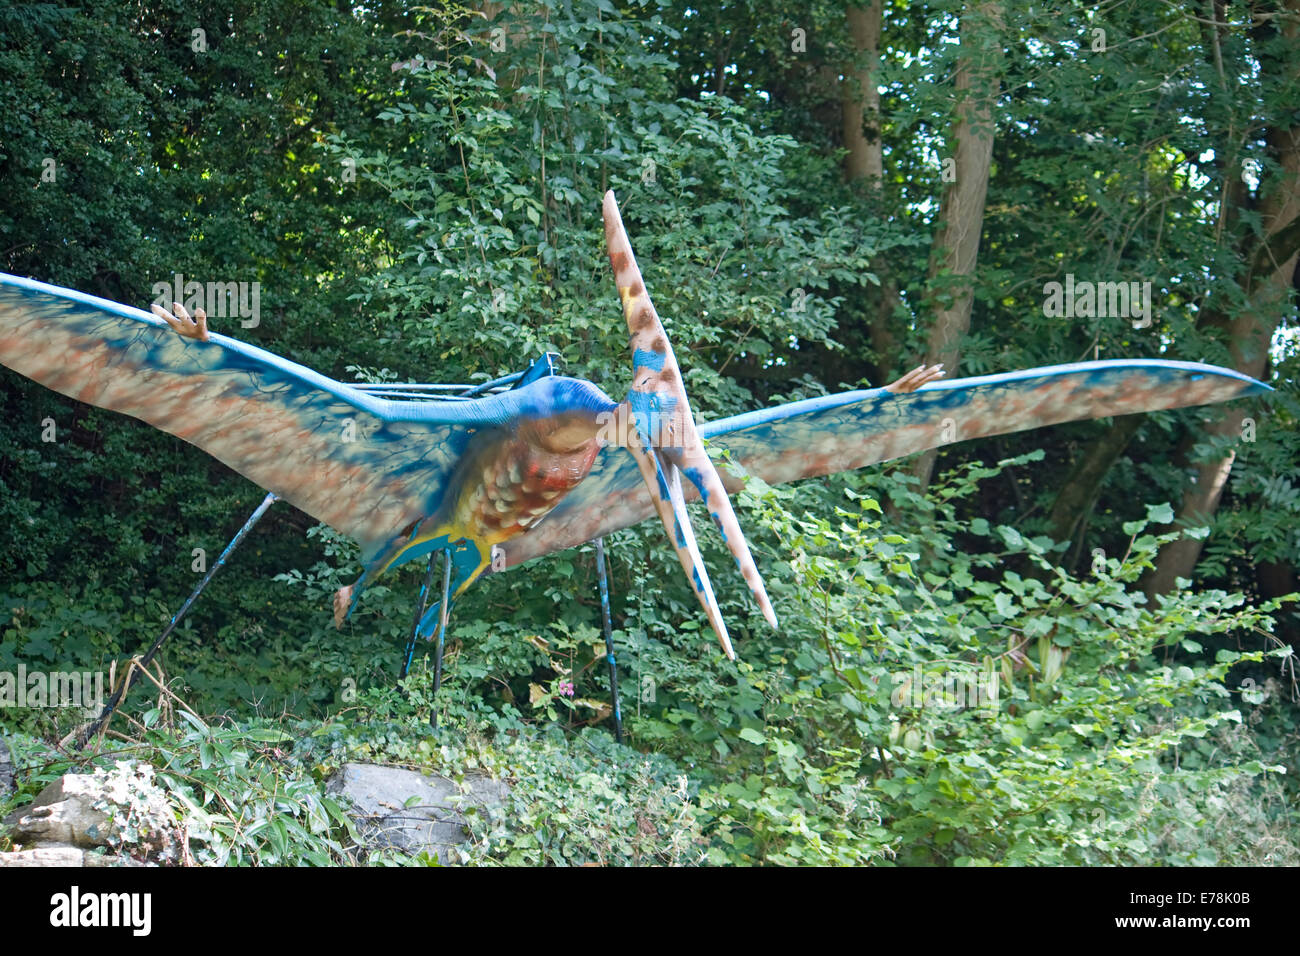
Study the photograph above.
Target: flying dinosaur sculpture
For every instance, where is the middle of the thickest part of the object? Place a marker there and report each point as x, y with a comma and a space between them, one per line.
536, 463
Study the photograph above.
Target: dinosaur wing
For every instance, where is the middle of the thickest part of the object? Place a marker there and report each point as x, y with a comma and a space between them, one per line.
367, 466
851, 430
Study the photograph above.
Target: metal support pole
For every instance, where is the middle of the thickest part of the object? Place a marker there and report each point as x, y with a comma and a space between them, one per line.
609, 638
442, 632
420, 605
84, 737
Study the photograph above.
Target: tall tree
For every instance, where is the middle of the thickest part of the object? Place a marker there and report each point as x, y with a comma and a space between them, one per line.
961, 211
864, 167
860, 97
1266, 281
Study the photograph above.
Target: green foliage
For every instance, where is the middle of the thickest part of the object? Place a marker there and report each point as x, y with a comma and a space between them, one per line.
500, 162
923, 703
469, 241
237, 799
252, 792
931, 703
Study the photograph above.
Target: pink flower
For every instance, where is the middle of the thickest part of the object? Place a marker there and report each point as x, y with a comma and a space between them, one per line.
566, 688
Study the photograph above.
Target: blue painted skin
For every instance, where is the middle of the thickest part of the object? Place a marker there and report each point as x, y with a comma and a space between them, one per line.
864, 427
653, 412
651, 360
285, 426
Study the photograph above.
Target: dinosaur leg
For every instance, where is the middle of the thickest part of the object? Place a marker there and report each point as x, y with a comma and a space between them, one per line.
609, 638
421, 604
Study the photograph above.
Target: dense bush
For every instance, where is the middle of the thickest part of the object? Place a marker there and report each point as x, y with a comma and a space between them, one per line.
923, 702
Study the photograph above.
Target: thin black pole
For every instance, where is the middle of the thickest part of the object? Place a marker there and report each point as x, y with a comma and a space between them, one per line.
420, 605
609, 638
84, 737
442, 633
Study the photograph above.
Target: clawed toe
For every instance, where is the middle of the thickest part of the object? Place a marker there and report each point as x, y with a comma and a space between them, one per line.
181, 322
921, 375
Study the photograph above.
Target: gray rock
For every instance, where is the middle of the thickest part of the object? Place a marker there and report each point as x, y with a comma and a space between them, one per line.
411, 812
44, 856
60, 855
6, 770
65, 814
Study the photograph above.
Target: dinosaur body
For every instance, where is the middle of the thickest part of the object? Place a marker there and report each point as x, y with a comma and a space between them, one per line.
498, 479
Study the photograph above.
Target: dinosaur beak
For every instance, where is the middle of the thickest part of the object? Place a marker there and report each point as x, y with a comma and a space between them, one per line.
666, 445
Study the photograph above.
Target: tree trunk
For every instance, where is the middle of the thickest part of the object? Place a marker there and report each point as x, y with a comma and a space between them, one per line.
1277, 579
961, 211
1079, 493
1267, 283
865, 164
860, 98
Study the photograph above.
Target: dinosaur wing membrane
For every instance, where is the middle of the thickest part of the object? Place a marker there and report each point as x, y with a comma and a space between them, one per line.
364, 465
852, 430
375, 468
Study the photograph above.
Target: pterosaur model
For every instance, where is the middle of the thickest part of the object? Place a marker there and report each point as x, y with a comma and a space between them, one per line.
536, 462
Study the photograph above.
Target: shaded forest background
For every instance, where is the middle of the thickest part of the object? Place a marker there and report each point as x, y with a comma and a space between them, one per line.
821, 197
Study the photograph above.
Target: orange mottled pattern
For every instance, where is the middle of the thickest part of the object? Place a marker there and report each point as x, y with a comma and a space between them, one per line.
515, 483
215, 408
877, 426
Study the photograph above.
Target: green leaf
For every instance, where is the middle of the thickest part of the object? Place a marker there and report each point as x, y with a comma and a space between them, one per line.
194, 721
1160, 514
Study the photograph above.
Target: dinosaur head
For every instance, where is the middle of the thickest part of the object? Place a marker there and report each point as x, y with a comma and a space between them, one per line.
666, 444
